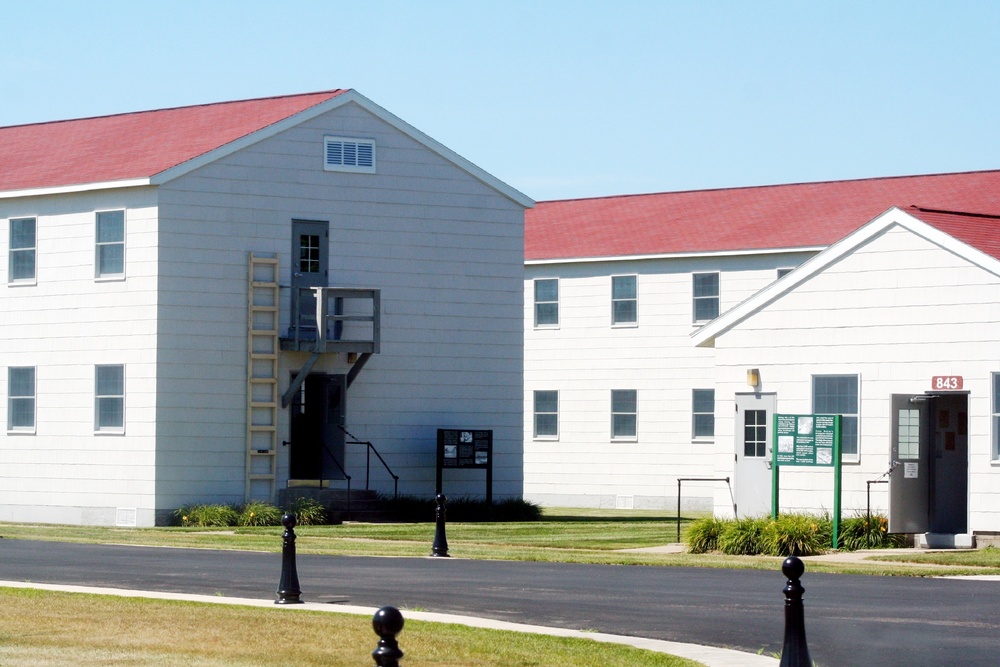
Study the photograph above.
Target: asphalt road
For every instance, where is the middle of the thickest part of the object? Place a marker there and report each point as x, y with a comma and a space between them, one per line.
851, 621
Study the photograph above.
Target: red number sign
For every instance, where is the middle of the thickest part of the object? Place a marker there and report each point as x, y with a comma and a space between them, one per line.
946, 382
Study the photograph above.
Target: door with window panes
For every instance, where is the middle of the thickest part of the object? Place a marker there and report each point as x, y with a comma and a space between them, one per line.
310, 255
752, 483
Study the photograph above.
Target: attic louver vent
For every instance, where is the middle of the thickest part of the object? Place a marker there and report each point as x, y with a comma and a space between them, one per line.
345, 154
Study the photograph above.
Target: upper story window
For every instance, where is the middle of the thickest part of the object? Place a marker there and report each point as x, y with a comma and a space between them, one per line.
624, 414
838, 395
996, 416
110, 252
109, 398
547, 414
21, 399
702, 413
349, 154
21, 266
547, 302
624, 304
706, 296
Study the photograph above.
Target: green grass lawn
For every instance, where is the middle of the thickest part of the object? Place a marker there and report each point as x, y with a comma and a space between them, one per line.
45, 628
985, 558
563, 535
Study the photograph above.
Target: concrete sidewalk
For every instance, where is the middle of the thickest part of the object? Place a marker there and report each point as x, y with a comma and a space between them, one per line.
707, 655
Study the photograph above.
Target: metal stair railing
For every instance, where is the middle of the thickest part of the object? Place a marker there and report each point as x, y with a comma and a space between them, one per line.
368, 452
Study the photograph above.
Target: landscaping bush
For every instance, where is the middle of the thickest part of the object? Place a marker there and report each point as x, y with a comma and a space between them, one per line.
415, 509
796, 535
703, 535
257, 513
864, 532
206, 516
742, 537
307, 511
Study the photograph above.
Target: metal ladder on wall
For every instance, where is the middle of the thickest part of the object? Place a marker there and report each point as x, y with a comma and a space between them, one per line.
262, 377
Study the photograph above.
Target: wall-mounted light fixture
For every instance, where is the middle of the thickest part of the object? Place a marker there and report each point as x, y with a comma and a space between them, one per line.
753, 377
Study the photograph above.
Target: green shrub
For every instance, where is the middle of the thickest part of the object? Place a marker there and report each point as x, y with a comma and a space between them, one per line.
204, 516
307, 511
419, 509
795, 535
257, 513
742, 537
516, 509
864, 532
703, 534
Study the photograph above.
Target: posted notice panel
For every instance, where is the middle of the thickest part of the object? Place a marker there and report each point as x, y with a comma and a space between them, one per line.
465, 448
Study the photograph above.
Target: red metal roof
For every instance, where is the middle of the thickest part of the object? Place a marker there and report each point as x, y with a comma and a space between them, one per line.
133, 145
800, 215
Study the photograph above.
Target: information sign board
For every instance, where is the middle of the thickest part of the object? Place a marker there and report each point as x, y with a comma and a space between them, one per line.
465, 448
806, 440
459, 448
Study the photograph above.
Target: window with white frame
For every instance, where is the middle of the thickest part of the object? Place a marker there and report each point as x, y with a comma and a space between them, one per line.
996, 416
110, 252
838, 395
21, 262
349, 154
624, 406
547, 414
705, 294
547, 302
702, 413
21, 398
624, 304
109, 398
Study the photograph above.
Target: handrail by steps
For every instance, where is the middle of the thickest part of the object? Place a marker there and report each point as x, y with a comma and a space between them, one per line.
371, 448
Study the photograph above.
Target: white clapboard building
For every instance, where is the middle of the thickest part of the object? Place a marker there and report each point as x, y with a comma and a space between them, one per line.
663, 332
209, 303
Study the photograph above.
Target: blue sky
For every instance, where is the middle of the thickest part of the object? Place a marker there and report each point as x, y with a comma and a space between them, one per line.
560, 99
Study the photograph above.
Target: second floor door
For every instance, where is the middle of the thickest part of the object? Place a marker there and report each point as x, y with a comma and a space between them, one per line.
310, 265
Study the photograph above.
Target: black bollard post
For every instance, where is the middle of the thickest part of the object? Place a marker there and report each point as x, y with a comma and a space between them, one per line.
387, 623
288, 587
794, 653
440, 548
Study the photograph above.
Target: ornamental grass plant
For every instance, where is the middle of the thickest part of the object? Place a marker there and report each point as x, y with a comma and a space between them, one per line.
868, 532
257, 513
789, 535
207, 516
703, 535
307, 511
796, 535
742, 537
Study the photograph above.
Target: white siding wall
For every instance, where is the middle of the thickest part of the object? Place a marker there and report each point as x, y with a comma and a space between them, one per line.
585, 358
64, 325
896, 312
445, 250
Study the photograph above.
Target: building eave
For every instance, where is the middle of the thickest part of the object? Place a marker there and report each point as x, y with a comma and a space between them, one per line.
76, 187
678, 255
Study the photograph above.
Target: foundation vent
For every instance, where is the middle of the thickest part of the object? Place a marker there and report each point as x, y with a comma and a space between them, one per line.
624, 502
125, 516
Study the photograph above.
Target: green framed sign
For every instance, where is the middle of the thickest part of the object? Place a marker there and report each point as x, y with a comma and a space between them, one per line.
807, 440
